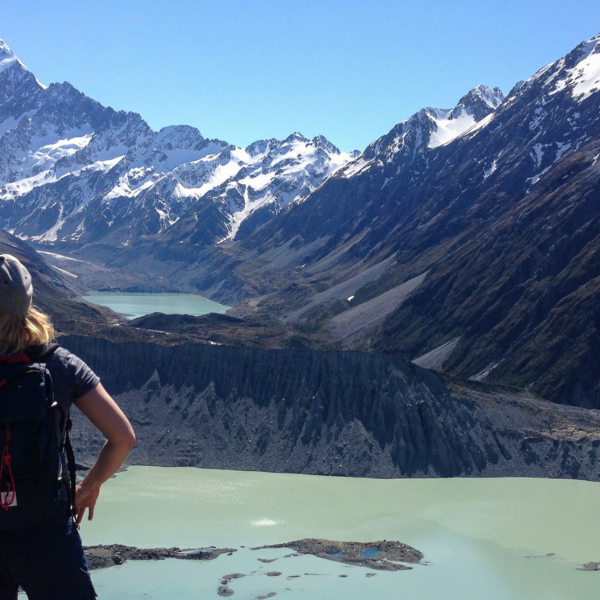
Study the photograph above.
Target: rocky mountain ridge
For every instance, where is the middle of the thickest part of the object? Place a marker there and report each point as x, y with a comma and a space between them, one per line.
73, 172
477, 256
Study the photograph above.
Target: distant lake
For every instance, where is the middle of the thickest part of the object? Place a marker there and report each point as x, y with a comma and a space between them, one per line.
492, 539
137, 305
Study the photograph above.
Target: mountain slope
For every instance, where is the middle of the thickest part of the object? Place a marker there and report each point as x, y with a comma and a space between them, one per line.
495, 232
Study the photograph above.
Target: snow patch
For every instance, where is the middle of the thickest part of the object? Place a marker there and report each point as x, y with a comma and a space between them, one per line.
65, 272
584, 78
47, 155
8, 63
448, 128
61, 256
480, 124
533, 180
356, 167
538, 116
52, 234
537, 154
588, 77
491, 170
562, 149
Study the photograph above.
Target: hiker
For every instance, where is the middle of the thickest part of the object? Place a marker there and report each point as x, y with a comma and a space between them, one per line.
40, 509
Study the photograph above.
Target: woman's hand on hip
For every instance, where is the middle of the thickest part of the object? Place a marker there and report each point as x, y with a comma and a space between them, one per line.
85, 499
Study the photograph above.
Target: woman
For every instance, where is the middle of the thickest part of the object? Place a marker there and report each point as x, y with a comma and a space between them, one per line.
47, 559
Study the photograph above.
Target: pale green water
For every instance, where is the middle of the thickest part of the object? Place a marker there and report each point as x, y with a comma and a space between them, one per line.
484, 538
138, 305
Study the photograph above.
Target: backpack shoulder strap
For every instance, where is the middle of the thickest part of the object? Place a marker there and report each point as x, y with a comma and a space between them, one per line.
41, 354
72, 488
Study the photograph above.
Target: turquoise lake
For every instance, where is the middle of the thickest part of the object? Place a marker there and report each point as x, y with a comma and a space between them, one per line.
492, 539
137, 305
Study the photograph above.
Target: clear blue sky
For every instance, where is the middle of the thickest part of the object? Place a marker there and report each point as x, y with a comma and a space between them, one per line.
245, 70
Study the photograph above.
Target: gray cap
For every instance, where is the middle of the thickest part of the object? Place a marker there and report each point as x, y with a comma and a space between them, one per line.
16, 290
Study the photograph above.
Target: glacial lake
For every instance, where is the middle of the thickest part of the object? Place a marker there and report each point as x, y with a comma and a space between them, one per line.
492, 539
139, 304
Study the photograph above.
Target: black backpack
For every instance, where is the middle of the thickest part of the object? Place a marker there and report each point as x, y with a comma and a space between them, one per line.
34, 439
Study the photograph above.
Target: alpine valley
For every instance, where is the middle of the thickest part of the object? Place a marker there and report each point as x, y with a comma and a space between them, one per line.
427, 307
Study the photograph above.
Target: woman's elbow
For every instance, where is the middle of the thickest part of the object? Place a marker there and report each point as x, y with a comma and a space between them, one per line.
124, 439
130, 438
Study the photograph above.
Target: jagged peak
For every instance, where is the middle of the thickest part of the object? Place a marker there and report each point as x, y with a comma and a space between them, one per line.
493, 97
9, 62
5, 51
295, 137
63, 89
479, 102
432, 127
585, 49
8, 59
260, 146
67, 95
567, 71
518, 86
187, 137
180, 130
322, 142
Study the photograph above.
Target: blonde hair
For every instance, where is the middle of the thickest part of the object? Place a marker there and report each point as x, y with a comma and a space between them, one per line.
17, 332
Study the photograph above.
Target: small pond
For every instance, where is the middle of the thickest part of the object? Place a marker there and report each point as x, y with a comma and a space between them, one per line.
134, 305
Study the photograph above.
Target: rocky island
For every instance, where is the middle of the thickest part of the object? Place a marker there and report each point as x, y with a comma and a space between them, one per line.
383, 555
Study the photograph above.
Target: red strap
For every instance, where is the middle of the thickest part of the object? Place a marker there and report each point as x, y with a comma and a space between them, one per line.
7, 500
12, 359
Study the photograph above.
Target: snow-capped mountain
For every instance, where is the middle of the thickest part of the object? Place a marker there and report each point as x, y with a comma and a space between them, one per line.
257, 183
468, 239
427, 129
73, 171
484, 141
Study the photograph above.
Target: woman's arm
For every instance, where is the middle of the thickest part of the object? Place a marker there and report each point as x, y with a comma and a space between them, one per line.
104, 413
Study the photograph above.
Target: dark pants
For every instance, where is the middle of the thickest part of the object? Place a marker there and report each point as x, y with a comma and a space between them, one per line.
47, 561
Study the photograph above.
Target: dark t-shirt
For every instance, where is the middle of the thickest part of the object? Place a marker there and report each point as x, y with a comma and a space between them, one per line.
71, 377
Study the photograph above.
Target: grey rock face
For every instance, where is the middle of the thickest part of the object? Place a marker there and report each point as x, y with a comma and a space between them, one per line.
327, 413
